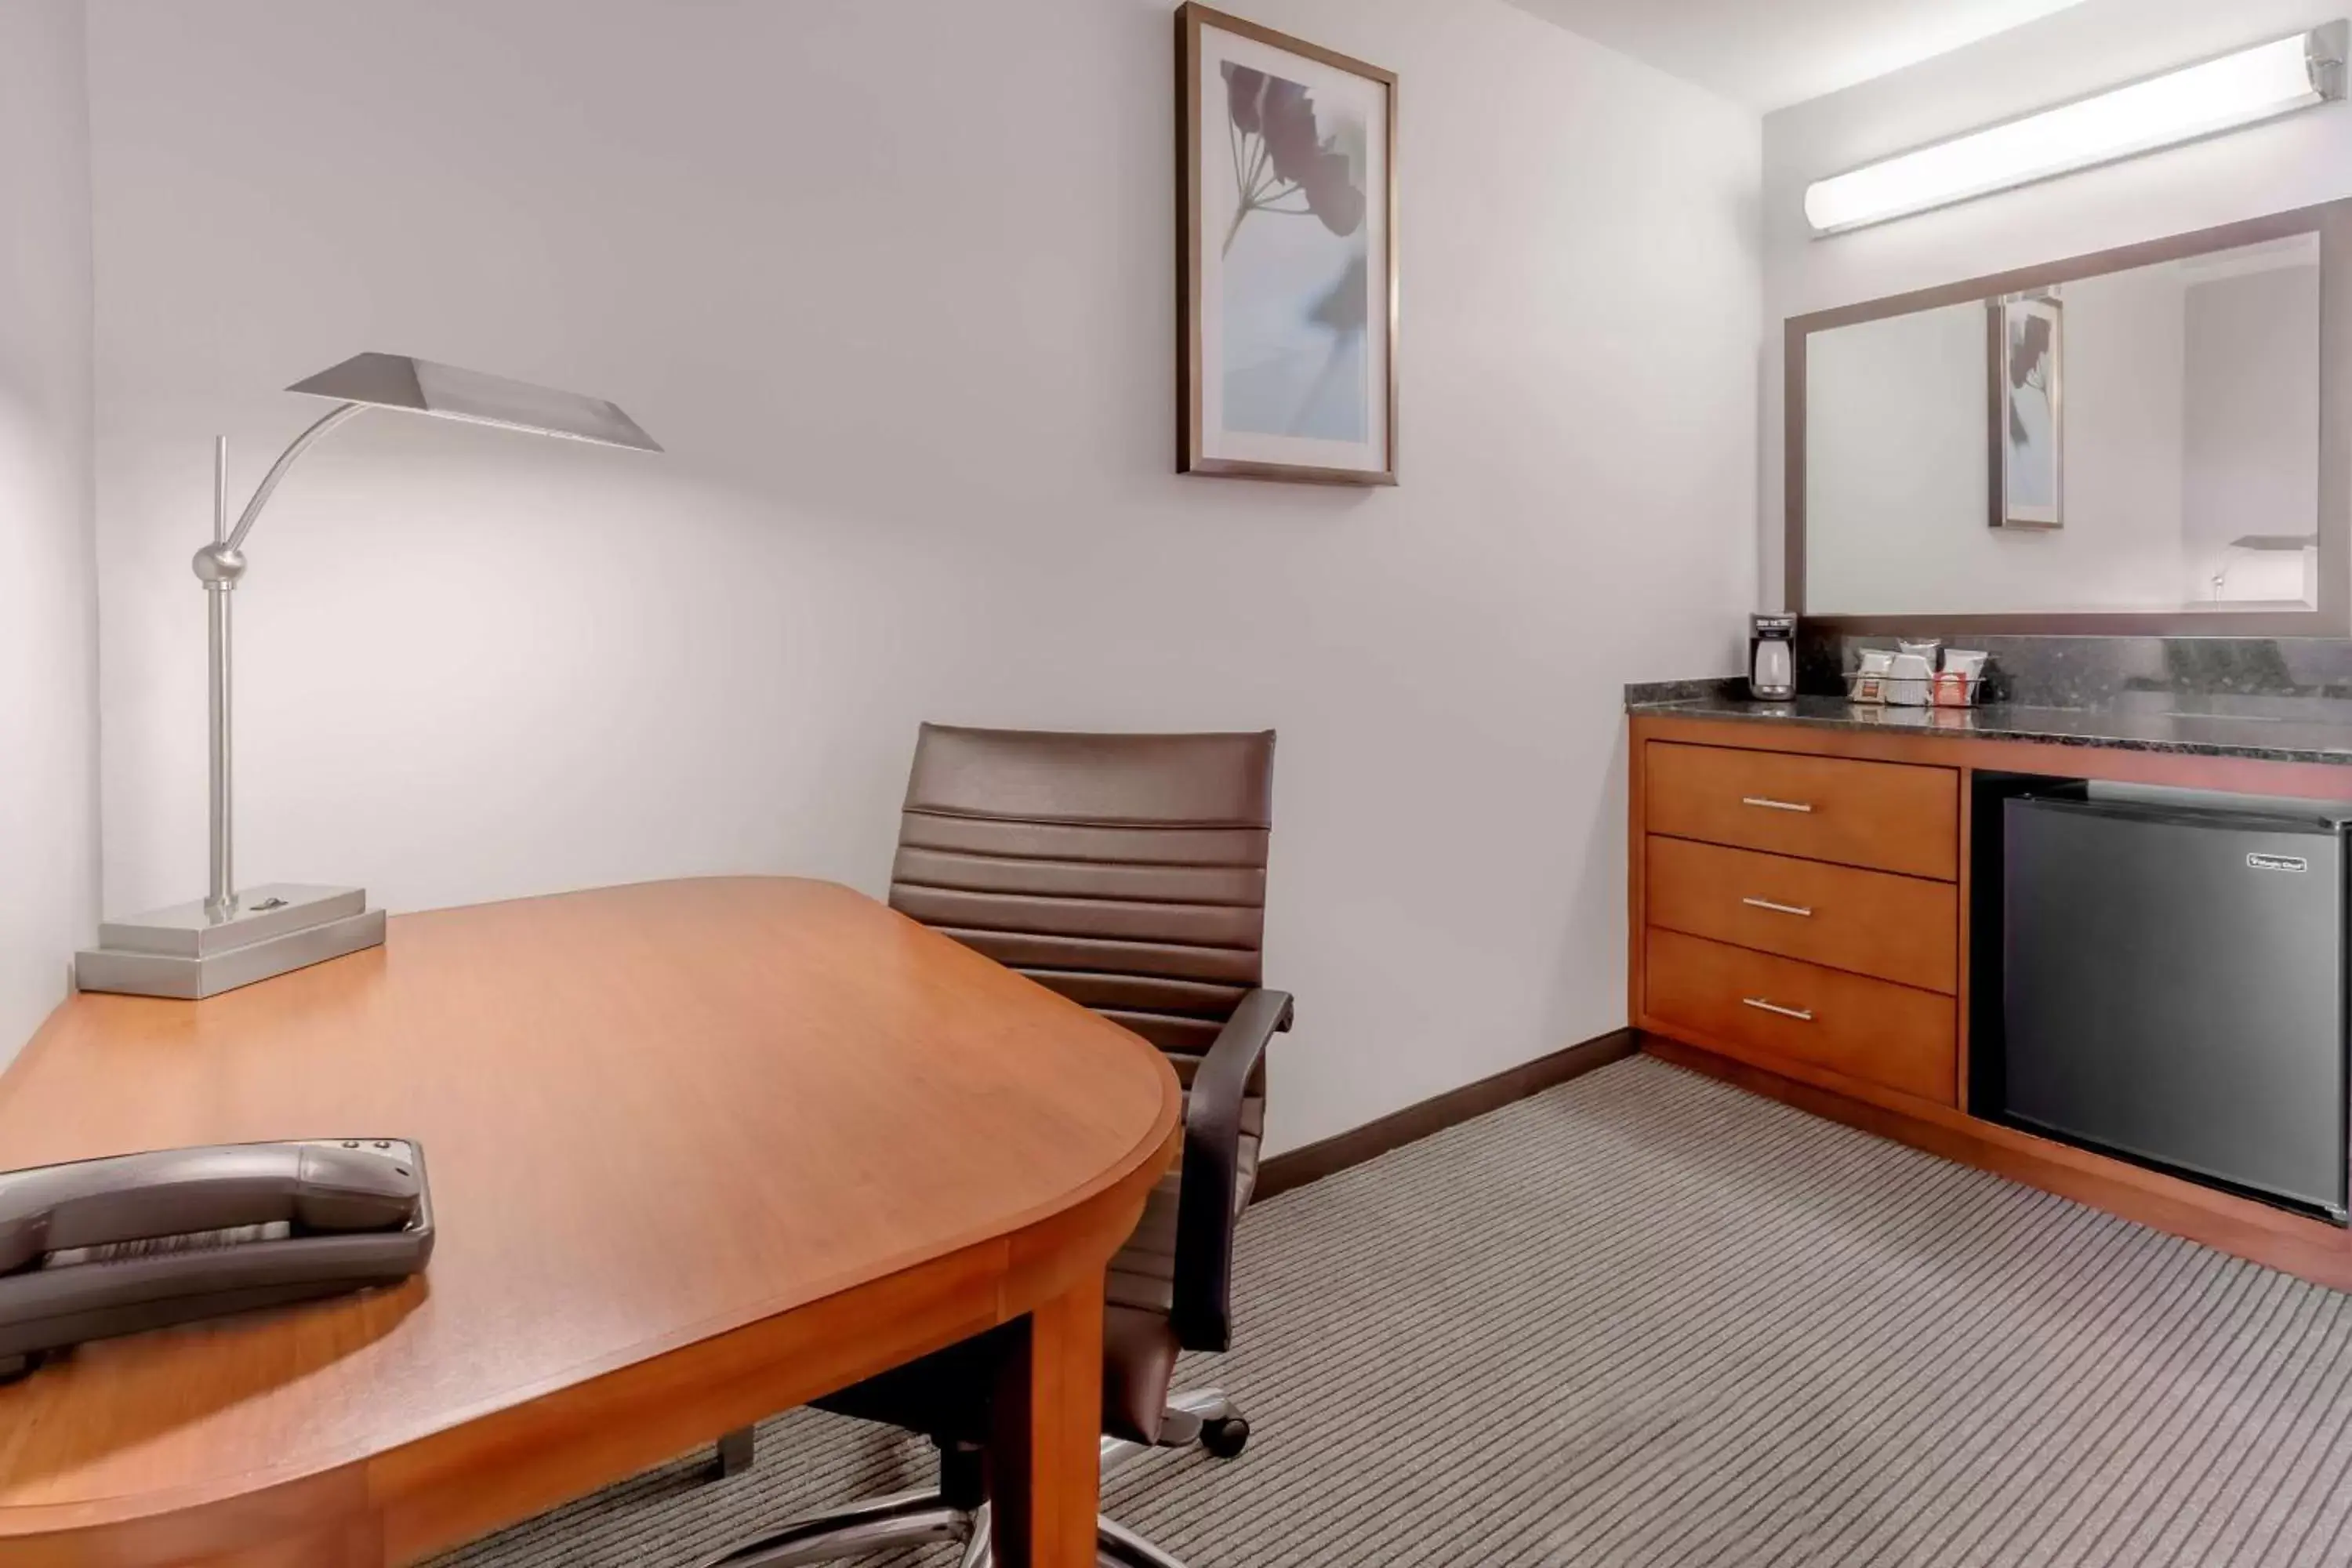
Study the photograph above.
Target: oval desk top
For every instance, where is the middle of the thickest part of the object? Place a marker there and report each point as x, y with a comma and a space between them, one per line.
650, 1114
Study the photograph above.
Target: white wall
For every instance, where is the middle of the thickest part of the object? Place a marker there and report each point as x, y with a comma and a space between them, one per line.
1895, 465
893, 281
48, 605
1898, 476
2191, 399
2252, 426
2123, 359
2291, 163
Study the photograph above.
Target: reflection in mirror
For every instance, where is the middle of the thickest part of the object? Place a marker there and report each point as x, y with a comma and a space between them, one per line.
2141, 441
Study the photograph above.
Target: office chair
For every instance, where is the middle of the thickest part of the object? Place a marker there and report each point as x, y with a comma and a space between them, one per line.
1127, 872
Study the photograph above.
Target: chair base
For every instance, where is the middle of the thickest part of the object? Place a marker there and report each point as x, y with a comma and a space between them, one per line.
923, 1517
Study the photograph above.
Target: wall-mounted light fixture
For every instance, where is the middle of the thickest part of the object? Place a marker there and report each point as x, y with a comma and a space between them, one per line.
2197, 101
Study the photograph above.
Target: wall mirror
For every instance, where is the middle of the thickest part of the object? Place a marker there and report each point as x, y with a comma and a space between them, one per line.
2148, 440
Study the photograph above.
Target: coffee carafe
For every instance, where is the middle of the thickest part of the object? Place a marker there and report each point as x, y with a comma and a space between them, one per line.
1771, 658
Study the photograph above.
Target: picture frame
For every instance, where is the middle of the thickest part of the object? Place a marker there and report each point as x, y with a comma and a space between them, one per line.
2027, 340
1287, 269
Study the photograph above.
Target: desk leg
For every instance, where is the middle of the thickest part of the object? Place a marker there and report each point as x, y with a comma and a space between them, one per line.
1044, 1464
355, 1545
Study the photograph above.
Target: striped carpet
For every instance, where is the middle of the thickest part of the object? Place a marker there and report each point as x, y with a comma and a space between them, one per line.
1645, 1319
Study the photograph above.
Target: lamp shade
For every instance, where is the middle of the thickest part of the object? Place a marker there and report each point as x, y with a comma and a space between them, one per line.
421, 386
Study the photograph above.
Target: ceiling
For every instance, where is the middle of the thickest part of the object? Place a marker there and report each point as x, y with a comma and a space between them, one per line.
1768, 54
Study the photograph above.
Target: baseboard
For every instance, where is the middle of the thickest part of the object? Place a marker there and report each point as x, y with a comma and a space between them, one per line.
1296, 1167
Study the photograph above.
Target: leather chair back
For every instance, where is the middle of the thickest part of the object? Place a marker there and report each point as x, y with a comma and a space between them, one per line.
1127, 872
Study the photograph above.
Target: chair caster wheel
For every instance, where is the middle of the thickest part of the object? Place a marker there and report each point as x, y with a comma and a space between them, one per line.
1227, 1437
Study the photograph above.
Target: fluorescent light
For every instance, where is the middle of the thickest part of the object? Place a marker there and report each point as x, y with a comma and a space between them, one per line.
2237, 89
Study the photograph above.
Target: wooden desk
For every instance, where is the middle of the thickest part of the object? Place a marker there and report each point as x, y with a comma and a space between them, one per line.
699, 1151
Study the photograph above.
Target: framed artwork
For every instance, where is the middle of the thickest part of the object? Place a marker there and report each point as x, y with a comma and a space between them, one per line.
1287, 308
2028, 447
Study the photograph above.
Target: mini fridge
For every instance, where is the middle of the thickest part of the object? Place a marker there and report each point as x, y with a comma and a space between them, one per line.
2173, 987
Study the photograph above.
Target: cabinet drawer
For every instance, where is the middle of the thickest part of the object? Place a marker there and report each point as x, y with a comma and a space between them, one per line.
1869, 1029
1889, 817
1888, 927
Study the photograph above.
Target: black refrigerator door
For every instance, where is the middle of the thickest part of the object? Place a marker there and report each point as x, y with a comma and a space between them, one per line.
2173, 989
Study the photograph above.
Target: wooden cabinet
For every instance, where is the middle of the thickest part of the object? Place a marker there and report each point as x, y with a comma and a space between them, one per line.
1802, 909
1867, 923
1799, 898
1890, 817
1887, 1034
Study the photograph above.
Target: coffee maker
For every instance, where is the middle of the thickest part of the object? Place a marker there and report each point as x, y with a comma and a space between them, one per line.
1771, 658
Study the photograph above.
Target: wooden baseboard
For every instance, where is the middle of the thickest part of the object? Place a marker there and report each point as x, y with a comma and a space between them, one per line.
2307, 1247
1296, 1167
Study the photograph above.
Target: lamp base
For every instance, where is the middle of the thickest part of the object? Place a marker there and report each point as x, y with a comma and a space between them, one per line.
186, 952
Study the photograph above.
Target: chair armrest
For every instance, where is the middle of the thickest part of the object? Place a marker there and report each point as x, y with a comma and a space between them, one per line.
1211, 1170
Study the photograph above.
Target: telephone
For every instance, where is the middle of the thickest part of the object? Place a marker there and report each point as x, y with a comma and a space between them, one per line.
100, 1247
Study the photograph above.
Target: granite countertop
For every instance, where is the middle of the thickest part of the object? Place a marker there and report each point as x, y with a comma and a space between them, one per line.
2292, 728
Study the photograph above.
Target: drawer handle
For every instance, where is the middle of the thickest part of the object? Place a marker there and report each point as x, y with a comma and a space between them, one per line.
1778, 908
1802, 1015
1771, 804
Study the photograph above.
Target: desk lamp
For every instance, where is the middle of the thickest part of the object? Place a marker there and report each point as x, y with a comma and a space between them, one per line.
233, 937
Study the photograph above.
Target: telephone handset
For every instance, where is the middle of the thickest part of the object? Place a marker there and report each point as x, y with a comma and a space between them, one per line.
100, 1247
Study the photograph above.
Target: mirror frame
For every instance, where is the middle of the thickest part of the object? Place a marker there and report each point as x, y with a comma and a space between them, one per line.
2332, 221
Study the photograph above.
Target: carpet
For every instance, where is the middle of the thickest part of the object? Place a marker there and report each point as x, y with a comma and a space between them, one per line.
1646, 1319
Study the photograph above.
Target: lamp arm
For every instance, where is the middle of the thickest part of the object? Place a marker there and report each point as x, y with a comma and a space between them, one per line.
300, 445
219, 567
